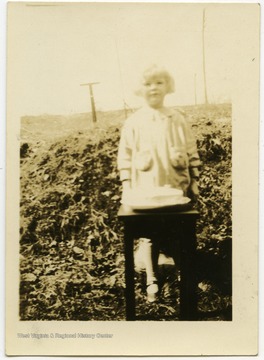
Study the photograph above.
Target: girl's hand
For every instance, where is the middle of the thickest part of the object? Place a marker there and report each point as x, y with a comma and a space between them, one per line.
125, 191
193, 190
126, 185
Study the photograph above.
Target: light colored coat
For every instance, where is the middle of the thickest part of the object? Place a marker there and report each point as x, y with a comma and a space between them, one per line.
157, 148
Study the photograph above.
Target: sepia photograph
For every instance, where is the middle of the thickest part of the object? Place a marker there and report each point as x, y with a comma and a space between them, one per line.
123, 131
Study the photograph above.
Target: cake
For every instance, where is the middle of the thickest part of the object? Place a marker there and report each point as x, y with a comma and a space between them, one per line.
153, 197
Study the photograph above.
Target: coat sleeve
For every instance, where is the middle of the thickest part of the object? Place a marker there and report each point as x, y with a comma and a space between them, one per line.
194, 159
124, 157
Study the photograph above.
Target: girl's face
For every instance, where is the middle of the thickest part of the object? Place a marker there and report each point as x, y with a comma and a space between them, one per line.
154, 90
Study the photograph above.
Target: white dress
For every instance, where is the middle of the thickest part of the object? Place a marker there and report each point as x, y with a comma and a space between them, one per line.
157, 148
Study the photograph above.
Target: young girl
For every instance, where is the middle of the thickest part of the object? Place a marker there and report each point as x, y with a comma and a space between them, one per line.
157, 148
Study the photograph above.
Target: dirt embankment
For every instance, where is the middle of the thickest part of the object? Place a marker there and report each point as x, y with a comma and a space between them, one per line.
71, 251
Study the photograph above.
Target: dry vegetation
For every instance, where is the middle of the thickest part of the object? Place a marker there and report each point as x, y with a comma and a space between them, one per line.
71, 250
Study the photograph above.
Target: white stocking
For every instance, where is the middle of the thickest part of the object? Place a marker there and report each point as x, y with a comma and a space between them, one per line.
150, 259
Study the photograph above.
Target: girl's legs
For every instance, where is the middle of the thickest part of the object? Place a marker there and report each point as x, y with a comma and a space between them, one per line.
150, 251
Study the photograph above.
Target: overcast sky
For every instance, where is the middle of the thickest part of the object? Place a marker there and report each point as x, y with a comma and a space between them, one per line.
56, 48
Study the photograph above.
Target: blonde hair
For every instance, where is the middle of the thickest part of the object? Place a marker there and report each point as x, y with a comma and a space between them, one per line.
152, 72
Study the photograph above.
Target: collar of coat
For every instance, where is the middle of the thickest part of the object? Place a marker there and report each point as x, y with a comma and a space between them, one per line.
161, 112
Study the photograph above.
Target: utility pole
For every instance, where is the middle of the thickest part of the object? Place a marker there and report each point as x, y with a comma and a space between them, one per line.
121, 79
204, 72
195, 95
92, 98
